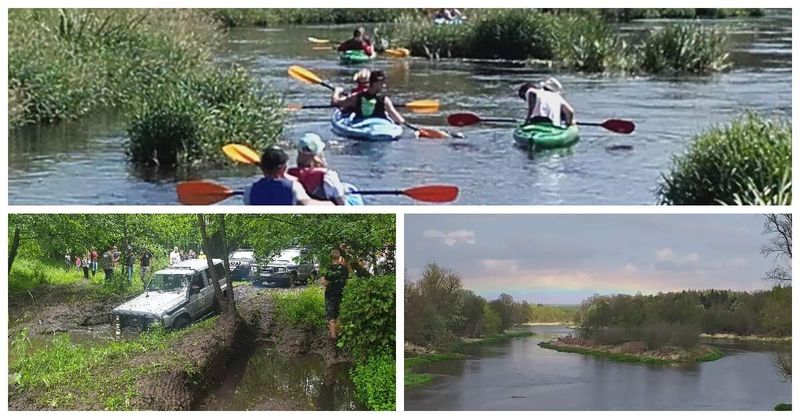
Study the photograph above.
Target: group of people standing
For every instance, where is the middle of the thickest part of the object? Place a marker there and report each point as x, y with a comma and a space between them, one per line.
108, 260
177, 255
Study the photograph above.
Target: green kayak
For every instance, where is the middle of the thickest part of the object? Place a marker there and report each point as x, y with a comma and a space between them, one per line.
354, 57
545, 136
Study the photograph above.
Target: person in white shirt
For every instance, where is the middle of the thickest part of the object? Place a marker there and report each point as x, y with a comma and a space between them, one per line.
545, 103
174, 256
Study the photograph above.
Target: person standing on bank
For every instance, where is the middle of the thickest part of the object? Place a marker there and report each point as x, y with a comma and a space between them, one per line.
334, 281
145, 265
107, 264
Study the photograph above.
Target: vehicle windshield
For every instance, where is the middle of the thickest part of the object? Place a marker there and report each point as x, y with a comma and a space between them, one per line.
167, 282
241, 255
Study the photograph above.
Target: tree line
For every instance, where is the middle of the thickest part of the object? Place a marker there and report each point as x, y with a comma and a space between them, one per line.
439, 311
678, 318
47, 236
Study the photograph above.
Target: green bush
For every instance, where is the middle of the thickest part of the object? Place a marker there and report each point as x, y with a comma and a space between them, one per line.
271, 17
187, 122
684, 49
374, 382
305, 308
65, 63
368, 317
748, 162
783, 407
586, 43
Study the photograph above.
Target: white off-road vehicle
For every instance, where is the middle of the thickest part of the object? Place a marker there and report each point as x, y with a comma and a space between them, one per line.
176, 296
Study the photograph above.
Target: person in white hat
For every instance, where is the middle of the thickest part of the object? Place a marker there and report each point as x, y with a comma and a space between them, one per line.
312, 171
545, 103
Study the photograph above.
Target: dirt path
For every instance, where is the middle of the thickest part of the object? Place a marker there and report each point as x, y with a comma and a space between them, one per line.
176, 378
53, 309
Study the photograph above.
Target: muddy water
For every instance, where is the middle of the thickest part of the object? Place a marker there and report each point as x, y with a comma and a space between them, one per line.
85, 163
268, 380
519, 375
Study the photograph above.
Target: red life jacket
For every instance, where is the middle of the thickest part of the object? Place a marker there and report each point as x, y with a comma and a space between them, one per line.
312, 180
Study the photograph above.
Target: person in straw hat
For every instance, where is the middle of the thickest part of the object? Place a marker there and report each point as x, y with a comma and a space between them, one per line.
545, 103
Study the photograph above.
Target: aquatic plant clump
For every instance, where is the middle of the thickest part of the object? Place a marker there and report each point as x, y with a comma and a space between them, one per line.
272, 17
748, 162
684, 49
187, 122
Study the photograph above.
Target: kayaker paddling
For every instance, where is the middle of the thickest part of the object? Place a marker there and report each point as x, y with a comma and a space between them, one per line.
370, 103
312, 172
545, 103
359, 42
276, 188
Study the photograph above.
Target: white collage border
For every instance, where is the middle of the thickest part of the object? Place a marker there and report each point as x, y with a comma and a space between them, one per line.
398, 210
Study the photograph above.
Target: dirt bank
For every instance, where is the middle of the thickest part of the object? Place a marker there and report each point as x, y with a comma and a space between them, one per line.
256, 308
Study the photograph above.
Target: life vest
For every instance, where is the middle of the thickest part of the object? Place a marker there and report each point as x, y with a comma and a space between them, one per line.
369, 106
312, 179
270, 192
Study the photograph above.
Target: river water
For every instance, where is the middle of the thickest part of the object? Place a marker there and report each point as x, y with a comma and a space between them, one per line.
519, 375
84, 162
267, 380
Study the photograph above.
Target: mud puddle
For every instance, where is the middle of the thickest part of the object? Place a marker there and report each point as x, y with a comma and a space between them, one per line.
269, 380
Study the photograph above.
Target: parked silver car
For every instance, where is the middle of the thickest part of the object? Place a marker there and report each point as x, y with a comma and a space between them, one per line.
176, 296
286, 270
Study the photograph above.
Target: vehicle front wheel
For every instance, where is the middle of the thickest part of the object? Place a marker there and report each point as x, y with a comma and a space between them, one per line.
181, 322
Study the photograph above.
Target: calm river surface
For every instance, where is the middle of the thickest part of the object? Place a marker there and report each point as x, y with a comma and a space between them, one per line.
519, 375
84, 162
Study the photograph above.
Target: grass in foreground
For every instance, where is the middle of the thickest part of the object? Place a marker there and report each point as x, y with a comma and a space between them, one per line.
64, 375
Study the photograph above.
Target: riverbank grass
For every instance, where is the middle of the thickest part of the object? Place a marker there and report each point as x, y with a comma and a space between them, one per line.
154, 65
29, 274
664, 356
748, 162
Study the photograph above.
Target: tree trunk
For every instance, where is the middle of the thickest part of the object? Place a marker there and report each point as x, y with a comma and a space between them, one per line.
218, 296
12, 253
225, 263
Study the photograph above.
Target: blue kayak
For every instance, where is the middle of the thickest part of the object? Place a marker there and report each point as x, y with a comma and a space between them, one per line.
352, 199
368, 129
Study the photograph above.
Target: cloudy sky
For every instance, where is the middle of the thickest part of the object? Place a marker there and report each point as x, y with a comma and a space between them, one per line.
562, 259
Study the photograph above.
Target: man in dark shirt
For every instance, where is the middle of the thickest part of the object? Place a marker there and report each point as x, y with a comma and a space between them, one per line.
334, 280
145, 265
357, 42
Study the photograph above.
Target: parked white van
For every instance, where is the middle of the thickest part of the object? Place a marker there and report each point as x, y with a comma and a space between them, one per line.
176, 296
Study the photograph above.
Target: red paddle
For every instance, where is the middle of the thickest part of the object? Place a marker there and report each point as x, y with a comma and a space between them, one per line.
203, 192
467, 118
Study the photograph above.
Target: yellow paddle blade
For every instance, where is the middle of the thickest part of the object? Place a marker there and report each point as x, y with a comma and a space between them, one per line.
317, 40
322, 48
306, 76
397, 52
241, 153
423, 105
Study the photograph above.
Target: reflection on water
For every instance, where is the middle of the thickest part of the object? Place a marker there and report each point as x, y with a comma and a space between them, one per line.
270, 381
519, 375
85, 162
